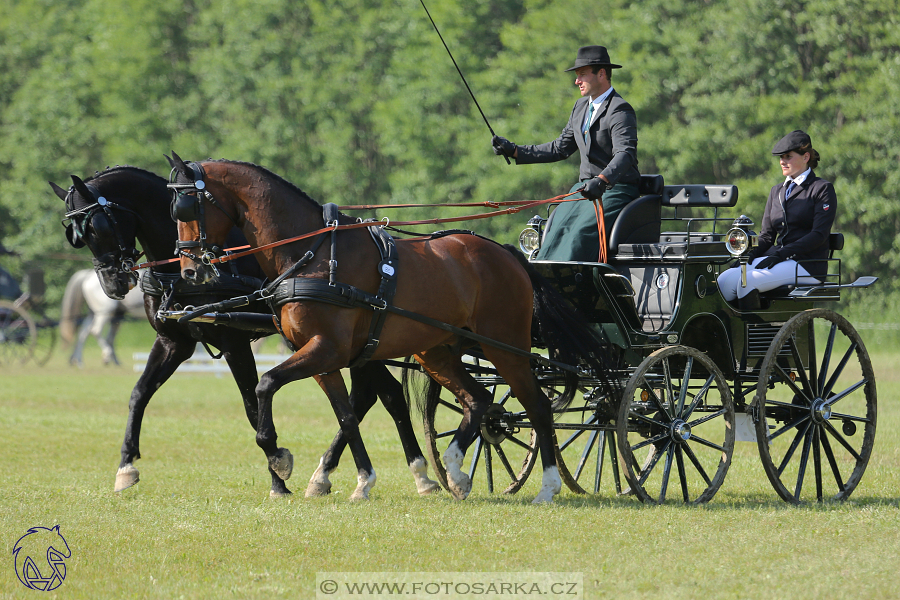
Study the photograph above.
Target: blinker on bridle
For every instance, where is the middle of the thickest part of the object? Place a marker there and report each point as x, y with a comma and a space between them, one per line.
79, 218
187, 206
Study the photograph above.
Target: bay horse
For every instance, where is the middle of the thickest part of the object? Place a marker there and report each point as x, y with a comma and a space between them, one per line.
104, 314
135, 207
462, 280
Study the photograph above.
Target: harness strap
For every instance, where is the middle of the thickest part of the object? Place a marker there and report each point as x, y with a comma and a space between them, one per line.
387, 268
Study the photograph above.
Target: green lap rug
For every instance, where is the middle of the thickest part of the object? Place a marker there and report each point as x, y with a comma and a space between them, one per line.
573, 232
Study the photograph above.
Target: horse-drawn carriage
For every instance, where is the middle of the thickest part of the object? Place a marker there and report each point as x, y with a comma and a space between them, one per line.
696, 372
679, 375
26, 333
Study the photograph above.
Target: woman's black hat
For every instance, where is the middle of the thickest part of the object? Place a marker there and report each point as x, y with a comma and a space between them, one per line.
792, 141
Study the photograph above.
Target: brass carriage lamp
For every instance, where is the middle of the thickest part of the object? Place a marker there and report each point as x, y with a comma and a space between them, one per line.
739, 240
530, 238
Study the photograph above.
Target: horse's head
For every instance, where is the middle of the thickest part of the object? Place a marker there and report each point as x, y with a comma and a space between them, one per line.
107, 228
203, 210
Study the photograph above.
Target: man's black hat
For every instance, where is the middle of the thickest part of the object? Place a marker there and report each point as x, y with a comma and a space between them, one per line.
792, 141
593, 55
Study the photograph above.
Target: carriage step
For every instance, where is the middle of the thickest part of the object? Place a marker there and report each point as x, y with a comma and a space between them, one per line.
201, 362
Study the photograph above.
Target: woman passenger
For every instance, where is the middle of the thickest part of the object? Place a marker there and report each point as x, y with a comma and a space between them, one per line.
795, 228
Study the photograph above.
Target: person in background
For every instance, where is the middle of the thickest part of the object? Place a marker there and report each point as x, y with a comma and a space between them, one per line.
603, 129
795, 228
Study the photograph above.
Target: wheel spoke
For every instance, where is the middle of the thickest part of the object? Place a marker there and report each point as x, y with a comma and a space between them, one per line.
804, 459
843, 417
708, 417
679, 457
656, 400
646, 472
488, 468
829, 454
479, 444
685, 381
699, 397
842, 441
841, 395
787, 379
648, 441
502, 456
791, 449
826, 356
516, 440
817, 463
707, 443
454, 407
697, 465
584, 455
801, 368
811, 358
670, 393
591, 420
838, 370
601, 452
647, 419
667, 470
789, 426
446, 433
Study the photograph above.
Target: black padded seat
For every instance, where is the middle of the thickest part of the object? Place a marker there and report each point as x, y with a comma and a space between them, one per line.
639, 222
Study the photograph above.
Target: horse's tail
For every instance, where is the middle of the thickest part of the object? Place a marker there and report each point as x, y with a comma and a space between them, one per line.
568, 336
72, 303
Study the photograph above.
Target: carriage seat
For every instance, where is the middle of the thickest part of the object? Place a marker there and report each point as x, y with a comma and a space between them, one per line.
835, 242
639, 222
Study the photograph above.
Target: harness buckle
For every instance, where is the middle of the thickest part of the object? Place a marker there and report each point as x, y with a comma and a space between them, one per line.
382, 306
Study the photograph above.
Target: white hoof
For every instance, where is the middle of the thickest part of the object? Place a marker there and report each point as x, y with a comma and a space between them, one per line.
424, 485
365, 485
459, 483
550, 486
319, 484
126, 477
282, 462
274, 494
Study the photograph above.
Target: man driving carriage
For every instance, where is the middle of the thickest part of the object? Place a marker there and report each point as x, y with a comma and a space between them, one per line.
603, 128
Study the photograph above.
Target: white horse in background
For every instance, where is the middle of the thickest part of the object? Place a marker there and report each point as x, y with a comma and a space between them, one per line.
84, 288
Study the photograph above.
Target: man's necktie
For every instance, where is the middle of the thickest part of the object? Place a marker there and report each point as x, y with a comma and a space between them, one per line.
790, 188
587, 123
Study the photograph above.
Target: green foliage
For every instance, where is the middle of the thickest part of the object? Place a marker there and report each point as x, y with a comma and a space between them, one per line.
357, 102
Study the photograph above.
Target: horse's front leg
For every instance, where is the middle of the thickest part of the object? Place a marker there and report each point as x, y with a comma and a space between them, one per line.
165, 356
313, 358
238, 354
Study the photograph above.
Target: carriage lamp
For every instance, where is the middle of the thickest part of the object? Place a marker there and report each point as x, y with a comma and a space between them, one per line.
530, 238
739, 240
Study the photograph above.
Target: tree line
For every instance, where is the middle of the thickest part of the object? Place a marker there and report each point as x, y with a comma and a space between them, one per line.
356, 101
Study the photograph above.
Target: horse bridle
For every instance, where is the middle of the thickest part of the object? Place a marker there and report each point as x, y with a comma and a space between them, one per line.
79, 219
187, 206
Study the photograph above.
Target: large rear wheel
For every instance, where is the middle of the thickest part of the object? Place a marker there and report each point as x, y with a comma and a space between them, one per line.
816, 408
18, 334
675, 427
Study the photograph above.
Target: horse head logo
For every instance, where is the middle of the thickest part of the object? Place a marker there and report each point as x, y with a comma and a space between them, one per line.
40, 558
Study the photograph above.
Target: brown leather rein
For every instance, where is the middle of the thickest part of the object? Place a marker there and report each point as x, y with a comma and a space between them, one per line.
515, 206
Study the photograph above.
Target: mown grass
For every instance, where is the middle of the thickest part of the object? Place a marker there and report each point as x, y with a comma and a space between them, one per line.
200, 523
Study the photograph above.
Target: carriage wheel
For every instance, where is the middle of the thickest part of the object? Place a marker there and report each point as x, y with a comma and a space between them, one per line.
584, 435
18, 334
45, 342
816, 408
675, 427
501, 458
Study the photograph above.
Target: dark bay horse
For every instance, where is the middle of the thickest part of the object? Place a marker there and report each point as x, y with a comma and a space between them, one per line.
462, 280
135, 207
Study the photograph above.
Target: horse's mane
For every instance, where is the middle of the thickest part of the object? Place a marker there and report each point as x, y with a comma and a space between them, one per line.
274, 176
117, 181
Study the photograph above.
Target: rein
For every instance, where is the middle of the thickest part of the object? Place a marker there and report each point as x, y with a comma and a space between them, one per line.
516, 206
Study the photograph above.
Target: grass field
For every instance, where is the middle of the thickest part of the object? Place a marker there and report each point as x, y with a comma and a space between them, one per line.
200, 523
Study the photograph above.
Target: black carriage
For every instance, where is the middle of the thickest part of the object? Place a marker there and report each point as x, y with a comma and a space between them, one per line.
26, 333
696, 372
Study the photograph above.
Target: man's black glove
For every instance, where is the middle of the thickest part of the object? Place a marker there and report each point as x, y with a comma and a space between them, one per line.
768, 262
503, 146
594, 188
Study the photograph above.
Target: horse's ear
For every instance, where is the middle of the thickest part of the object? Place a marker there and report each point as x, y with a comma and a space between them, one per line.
171, 162
82, 189
180, 164
59, 191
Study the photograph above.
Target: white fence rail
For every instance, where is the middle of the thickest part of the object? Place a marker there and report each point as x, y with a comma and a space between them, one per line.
201, 362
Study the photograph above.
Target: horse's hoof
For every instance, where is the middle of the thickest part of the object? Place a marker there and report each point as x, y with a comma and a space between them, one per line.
551, 486
282, 462
126, 477
316, 489
459, 483
366, 482
275, 494
426, 489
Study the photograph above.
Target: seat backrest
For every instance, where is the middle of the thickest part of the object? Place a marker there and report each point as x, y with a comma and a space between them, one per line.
835, 242
700, 195
639, 221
